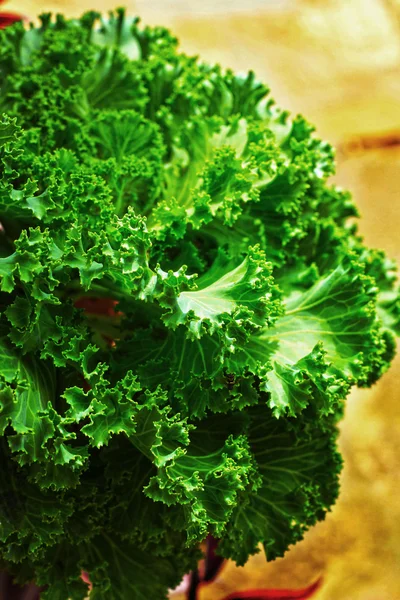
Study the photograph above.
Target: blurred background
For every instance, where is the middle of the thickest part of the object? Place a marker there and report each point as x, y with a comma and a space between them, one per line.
338, 63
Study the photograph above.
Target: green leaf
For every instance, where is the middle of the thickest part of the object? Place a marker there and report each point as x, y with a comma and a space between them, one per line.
327, 340
205, 478
118, 30
110, 411
228, 297
120, 570
36, 434
8, 128
31, 519
131, 151
298, 467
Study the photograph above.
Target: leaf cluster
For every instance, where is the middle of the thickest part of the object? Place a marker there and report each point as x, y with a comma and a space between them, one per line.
185, 304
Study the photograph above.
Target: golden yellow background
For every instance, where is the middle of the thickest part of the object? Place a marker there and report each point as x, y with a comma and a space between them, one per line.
338, 63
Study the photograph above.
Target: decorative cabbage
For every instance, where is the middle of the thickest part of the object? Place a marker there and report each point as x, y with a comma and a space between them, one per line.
241, 307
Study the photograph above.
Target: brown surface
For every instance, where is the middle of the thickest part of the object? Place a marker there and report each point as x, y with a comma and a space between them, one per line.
337, 62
